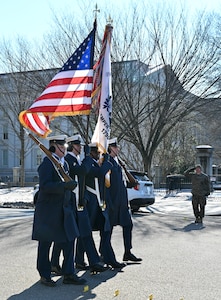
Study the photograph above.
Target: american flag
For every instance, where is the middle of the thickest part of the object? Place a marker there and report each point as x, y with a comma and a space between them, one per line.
68, 93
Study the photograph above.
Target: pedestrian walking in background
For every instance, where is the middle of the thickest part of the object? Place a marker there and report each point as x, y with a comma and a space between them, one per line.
200, 190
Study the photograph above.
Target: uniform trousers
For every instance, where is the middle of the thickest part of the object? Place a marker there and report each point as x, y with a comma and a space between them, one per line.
86, 244
105, 248
127, 237
199, 203
44, 262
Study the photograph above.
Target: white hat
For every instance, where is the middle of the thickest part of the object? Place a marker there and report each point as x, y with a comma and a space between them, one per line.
57, 139
75, 139
93, 145
113, 142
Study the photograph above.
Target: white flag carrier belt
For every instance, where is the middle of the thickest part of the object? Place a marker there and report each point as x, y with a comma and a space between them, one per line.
96, 192
76, 191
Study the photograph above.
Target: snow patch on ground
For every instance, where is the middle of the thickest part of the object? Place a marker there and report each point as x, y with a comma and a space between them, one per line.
16, 197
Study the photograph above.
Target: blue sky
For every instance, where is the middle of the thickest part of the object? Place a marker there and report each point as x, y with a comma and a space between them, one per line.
31, 19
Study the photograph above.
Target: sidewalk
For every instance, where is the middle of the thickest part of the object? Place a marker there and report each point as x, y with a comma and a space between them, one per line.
180, 203
173, 203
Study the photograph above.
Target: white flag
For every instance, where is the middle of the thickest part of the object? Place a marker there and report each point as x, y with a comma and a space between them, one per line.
104, 96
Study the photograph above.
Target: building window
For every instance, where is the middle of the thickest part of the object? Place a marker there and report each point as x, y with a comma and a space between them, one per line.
39, 157
4, 157
5, 132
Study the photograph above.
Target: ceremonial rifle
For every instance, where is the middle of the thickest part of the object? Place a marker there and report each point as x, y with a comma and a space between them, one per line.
132, 181
56, 163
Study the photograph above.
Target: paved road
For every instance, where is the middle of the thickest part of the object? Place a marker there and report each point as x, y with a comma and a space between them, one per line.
181, 260
9, 213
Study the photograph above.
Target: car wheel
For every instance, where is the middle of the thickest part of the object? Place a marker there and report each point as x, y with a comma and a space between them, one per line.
134, 209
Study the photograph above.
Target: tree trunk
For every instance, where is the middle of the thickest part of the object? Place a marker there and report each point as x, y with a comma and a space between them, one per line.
22, 158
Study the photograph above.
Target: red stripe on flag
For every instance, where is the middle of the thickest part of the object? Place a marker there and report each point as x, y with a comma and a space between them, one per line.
62, 108
75, 80
63, 95
35, 121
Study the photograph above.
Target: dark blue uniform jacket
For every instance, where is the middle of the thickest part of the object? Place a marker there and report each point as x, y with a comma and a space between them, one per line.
83, 220
98, 217
120, 214
55, 211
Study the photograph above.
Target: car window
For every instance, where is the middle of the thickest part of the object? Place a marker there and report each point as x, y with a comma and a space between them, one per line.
140, 176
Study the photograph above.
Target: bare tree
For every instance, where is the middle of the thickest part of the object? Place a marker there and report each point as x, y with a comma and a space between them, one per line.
149, 104
163, 71
18, 87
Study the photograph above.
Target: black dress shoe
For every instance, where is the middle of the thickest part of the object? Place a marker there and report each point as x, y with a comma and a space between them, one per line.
56, 270
82, 267
131, 257
97, 268
200, 220
117, 265
73, 279
47, 282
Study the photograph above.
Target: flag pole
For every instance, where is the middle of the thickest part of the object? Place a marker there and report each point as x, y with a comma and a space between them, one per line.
96, 10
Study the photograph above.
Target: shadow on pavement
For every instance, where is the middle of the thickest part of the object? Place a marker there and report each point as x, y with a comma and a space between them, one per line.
65, 291
191, 227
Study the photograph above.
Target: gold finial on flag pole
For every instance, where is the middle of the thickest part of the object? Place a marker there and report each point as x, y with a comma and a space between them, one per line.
96, 10
110, 21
